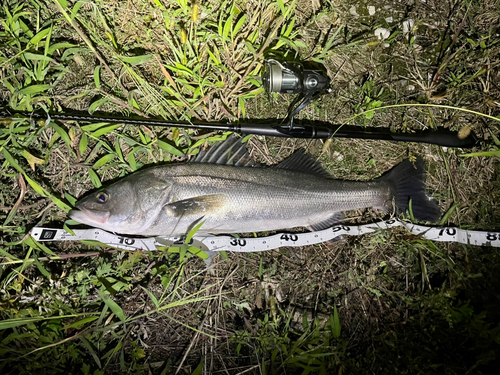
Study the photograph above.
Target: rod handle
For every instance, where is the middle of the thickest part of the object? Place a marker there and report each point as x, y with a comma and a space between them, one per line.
441, 138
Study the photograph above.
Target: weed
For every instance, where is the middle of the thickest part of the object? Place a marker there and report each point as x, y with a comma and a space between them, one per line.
405, 305
278, 348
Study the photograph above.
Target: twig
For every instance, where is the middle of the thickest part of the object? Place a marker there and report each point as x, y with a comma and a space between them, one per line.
45, 209
248, 369
21, 208
191, 344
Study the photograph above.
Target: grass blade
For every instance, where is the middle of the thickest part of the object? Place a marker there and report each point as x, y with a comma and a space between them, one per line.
102, 161
169, 148
94, 178
113, 306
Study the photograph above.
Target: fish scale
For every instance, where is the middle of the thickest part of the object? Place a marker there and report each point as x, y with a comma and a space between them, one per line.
172, 199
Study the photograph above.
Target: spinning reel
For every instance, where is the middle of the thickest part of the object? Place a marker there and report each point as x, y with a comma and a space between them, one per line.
294, 78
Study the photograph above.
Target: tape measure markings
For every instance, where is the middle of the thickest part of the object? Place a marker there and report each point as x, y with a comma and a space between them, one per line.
227, 243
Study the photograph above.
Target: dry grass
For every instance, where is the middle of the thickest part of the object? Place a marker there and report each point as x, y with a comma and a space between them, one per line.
386, 286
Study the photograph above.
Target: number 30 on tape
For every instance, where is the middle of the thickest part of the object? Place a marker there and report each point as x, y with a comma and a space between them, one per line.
227, 243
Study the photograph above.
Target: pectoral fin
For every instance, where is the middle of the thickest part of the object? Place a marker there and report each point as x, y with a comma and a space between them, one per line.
201, 205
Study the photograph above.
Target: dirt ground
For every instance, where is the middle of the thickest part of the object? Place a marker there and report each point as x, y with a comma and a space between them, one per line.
387, 302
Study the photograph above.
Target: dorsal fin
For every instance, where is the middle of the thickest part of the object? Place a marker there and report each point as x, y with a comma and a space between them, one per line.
301, 162
229, 152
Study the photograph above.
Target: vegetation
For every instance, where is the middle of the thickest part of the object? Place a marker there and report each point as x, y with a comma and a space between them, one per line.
388, 302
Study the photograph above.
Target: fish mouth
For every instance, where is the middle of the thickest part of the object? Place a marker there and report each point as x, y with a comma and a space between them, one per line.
85, 216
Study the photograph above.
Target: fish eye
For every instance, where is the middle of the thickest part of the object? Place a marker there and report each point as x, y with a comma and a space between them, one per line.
102, 197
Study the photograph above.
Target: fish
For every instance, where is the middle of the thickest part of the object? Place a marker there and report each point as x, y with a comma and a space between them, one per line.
226, 191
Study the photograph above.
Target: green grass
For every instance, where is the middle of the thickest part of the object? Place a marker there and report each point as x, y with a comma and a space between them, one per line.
381, 303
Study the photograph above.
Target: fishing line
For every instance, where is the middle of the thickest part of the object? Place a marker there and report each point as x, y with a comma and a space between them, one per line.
228, 243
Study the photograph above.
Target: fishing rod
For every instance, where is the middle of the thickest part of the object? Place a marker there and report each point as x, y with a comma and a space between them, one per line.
439, 137
277, 129
309, 82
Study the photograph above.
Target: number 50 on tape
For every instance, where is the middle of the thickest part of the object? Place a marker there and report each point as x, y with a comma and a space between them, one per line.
228, 243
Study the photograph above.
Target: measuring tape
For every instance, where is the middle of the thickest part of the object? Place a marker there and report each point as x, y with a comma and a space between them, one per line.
228, 243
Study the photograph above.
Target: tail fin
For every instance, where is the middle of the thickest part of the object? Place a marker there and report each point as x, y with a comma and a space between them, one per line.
407, 182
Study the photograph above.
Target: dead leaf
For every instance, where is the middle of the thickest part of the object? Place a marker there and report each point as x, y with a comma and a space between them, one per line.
12, 212
166, 73
72, 136
32, 160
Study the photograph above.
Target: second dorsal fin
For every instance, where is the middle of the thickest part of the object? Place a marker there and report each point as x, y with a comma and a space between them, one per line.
229, 152
301, 162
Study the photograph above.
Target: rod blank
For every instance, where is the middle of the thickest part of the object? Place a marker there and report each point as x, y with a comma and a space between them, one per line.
440, 137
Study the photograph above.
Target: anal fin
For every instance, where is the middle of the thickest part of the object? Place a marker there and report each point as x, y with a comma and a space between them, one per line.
336, 218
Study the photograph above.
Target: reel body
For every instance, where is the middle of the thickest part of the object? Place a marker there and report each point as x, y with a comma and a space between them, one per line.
293, 78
